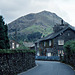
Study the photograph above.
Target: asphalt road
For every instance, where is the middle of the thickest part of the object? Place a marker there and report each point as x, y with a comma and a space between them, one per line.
49, 68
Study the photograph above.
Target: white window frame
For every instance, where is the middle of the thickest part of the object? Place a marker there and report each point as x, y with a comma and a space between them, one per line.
49, 42
38, 44
44, 43
13, 45
17, 45
38, 53
62, 52
48, 54
60, 42
68, 34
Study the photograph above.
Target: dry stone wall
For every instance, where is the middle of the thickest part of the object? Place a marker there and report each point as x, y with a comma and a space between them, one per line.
14, 63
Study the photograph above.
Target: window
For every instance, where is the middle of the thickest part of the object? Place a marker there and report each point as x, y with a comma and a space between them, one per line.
60, 42
13, 45
44, 44
38, 44
48, 54
49, 42
60, 52
17, 45
38, 54
68, 34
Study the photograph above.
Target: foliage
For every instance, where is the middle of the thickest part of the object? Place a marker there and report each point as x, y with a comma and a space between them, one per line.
69, 52
69, 46
4, 41
6, 37
22, 47
16, 51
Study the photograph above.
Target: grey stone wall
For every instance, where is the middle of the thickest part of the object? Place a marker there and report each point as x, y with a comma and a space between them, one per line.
63, 36
14, 63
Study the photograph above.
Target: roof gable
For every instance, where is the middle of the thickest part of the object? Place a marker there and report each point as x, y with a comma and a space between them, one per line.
53, 35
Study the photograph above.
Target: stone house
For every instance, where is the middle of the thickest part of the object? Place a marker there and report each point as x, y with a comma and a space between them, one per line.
14, 44
52, 45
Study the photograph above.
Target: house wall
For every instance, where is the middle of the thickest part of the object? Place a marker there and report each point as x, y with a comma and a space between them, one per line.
14, 45
55, 49
66, 36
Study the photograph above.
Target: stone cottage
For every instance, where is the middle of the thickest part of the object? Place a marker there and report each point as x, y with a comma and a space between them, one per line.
52, 45
14, 44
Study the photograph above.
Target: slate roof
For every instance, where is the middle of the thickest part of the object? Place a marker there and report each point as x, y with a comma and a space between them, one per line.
53, 35
28, 44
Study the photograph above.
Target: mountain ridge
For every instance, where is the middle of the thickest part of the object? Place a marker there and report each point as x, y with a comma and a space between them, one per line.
34, 22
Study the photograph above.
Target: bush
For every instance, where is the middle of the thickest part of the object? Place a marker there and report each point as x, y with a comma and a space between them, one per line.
69, 46
15, 51
22, 47
69, 50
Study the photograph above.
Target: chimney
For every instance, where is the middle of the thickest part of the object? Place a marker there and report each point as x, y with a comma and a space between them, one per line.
62, 22
58, 27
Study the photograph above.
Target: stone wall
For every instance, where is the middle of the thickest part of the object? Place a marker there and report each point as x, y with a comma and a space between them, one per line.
14, 63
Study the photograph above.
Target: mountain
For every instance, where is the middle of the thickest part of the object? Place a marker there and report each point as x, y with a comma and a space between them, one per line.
34, 23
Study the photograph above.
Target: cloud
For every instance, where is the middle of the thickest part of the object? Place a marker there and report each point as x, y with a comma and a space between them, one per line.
13, 8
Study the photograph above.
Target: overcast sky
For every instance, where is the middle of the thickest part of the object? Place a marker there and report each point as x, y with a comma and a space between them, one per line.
13, 9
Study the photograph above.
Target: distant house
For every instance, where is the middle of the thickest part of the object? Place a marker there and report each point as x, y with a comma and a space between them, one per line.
14, 44
52, 45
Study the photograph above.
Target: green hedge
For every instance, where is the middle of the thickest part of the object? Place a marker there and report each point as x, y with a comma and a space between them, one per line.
15, 51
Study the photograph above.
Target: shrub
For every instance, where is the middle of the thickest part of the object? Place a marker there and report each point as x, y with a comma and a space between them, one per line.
69, 46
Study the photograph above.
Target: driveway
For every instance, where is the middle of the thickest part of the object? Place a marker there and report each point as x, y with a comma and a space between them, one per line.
49, 68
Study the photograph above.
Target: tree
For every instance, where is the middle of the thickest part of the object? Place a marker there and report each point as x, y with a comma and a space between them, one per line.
6, 37
69, 50
3, 35
70, 46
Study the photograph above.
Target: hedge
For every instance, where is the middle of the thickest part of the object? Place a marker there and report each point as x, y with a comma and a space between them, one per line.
15, 51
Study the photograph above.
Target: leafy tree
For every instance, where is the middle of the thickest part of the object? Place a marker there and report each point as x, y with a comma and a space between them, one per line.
69, 50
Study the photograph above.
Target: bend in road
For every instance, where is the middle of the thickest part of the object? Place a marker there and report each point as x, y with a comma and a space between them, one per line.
49, 68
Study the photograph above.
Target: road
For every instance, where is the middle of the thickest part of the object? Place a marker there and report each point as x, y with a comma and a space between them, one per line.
49, 68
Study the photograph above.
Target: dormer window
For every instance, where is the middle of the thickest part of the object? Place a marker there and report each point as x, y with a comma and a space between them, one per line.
60, 42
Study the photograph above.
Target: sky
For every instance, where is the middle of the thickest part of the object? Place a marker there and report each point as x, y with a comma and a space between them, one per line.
13, 9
